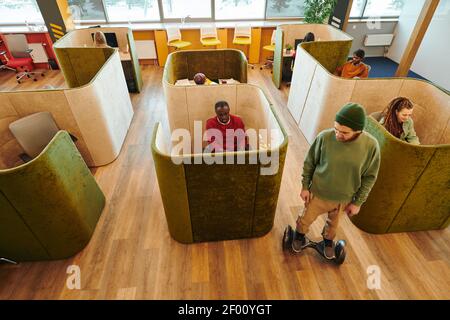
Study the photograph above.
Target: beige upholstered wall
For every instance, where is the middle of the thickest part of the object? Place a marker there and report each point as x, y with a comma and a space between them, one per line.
316, 95
186, 104
98, 114
9, 148
83, 38
322, 32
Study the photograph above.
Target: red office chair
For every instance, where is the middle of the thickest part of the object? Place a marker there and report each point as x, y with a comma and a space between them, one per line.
22, 65
4, 62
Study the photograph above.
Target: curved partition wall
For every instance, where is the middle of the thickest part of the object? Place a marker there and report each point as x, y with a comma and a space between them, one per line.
82, 38
287, 34
316, 95
207, 202
411, 192
96, 109
215, 64
49, 207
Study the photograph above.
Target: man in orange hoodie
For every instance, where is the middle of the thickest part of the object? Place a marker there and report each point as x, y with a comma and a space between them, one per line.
354, 68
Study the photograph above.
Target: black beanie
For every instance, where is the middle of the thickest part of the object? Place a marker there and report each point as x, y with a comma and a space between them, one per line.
352, 115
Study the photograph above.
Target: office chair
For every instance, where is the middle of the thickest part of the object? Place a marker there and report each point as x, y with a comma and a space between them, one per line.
208, 36
33, 133
4, 61
174, 39
271, 48
20, 58
243, 36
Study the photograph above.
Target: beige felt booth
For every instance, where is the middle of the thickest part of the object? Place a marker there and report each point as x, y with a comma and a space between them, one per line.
291, 32
206, 201
98, 113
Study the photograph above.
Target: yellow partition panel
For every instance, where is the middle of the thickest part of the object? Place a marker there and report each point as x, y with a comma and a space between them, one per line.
161, 46
255, 46
144, 35
222, 34
266, 37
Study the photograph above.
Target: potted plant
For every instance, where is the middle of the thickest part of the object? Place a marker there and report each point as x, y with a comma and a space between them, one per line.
317, 11
288, 48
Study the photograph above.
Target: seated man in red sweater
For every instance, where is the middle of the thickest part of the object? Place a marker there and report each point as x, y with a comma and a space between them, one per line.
225, 132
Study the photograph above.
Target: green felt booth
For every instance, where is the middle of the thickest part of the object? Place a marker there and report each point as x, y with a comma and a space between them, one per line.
208, 202
412, 192
49, 207
215, 64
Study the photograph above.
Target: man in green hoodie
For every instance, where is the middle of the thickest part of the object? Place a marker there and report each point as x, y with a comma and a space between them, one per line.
339, 171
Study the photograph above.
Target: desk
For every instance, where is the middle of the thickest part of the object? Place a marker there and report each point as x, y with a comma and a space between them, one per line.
288, 60
125, 56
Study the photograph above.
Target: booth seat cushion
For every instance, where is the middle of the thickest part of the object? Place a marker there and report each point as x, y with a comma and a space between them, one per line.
21, 64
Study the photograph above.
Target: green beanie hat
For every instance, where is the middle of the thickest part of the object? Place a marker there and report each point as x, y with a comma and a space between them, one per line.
352, 115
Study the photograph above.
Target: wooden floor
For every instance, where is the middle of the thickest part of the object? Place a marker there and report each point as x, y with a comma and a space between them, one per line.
131, 255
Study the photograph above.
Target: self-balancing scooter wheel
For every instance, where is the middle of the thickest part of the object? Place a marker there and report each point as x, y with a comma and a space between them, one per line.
339, 252
288, 236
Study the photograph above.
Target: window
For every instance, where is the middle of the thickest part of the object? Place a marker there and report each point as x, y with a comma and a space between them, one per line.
357, 8
383, 8
376, 8
132, 10
285, 8
100, 11
239, 9
87, 10
176, 9
20, 11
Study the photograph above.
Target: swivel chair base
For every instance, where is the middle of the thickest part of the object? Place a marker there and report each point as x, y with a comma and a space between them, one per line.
28, 74
7, 261
339, 247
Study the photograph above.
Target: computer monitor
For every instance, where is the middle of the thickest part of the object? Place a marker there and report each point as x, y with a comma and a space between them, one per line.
111, 39
297, 42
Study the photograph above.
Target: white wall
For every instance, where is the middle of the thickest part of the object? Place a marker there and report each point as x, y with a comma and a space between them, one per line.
359, 30
432, 60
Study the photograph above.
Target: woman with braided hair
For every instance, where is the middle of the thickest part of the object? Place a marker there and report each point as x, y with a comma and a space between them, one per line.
396, 118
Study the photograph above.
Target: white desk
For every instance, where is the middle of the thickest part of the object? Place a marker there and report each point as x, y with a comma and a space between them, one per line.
125, 56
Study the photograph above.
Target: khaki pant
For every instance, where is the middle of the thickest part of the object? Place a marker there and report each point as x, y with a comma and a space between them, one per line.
314, 209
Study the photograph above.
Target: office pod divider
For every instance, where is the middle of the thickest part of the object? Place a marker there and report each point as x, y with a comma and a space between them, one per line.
411, 192
339, 45
123, 38
96, 109
210, 202
49, 207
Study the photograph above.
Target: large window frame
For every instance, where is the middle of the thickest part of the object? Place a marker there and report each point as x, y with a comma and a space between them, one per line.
31, 23
162, 19
364, 17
